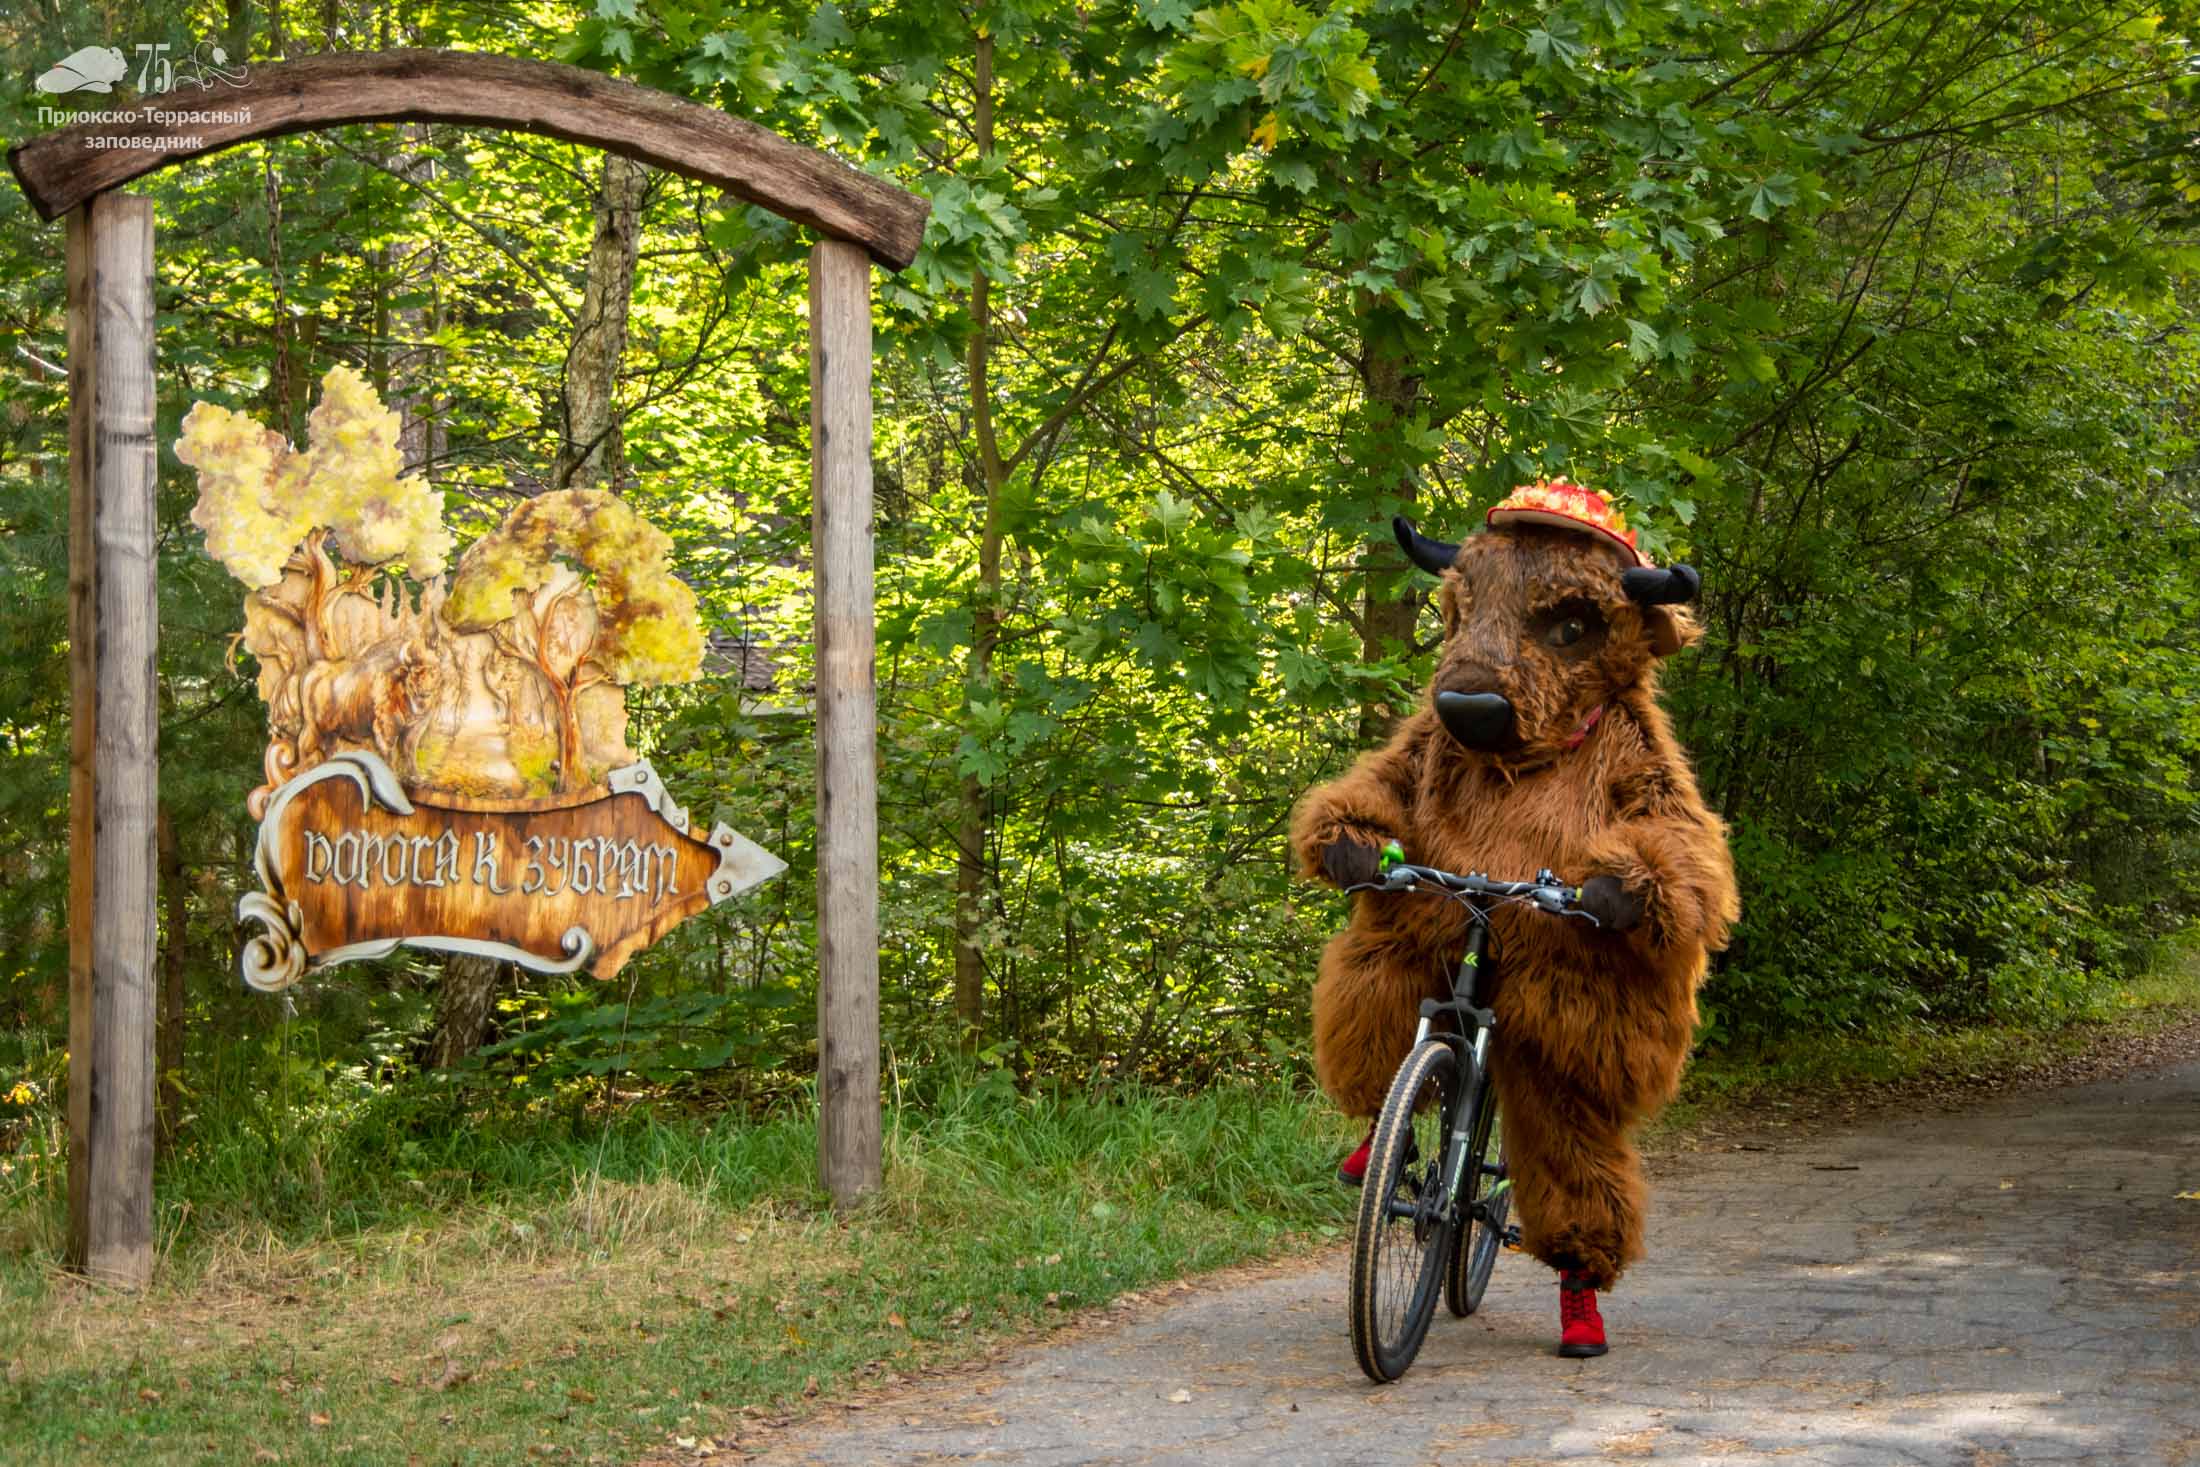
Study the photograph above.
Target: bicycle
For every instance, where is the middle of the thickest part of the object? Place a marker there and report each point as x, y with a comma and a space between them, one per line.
1450, 1215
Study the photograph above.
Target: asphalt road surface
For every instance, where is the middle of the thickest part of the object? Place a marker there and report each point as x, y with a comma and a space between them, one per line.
2018, 1283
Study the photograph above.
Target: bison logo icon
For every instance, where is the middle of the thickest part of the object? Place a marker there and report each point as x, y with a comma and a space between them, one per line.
93, 69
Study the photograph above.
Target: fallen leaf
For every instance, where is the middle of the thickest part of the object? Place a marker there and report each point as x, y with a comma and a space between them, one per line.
318, 1418
1178, 1398
1052, 1258
149, 1396
809, 1387
580, 1397
2008, 1185
2188, 1197
897, 1321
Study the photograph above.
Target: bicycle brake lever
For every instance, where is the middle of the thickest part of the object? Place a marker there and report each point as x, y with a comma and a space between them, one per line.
1560, 905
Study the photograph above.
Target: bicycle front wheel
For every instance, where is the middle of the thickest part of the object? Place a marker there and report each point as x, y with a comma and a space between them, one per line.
1486, 1190
1405, 1224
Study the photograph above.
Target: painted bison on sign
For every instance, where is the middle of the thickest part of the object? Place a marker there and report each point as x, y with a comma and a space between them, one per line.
1553, 753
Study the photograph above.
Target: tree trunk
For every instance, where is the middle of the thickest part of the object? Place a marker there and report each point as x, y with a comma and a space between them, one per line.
175, 932
974, 799
1386, 620
280, 372
463, 1007
590, 452
412, 360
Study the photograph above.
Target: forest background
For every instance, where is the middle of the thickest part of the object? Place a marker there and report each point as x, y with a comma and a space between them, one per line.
1879, 312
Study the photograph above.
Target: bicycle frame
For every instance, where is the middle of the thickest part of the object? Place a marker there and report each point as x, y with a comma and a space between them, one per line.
1472, 1017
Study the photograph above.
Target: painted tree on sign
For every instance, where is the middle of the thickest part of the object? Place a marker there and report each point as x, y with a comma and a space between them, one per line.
635, 626
260, 498
339, 666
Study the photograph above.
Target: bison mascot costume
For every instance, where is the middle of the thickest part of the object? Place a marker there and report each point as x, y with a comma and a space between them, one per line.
1555, 754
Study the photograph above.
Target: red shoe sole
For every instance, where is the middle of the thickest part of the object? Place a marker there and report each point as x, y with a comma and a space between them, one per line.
1582, 1352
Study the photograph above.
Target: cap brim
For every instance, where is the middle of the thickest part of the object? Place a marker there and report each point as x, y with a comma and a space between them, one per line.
1565, 522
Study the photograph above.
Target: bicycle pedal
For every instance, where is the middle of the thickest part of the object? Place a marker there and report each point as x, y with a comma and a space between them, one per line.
1512, 1238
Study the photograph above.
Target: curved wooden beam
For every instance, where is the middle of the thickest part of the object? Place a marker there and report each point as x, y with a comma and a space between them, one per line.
62, 169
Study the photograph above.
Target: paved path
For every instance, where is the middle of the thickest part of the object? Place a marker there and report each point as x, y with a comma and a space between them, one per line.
2014, 1284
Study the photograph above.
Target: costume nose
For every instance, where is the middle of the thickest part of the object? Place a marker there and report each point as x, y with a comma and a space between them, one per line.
1482, 722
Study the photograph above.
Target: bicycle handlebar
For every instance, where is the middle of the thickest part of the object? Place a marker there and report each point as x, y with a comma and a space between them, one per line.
1546, 892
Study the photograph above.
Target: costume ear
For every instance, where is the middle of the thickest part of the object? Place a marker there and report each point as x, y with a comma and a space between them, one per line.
1671, 628
1447, 601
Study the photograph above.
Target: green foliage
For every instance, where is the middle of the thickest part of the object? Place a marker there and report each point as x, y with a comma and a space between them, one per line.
660, 1041
1879, 316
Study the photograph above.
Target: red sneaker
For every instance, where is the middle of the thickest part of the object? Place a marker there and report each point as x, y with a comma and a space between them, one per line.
1582, 1328
1352, 1171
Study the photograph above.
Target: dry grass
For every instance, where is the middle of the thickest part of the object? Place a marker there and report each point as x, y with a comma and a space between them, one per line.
592, 1317
509, 1287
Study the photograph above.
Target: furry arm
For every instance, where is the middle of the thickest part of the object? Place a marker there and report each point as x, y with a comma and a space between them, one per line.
1668, 849
1366, 804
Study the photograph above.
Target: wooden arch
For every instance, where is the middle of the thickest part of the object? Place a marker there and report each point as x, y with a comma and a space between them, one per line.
113, 602
60, 170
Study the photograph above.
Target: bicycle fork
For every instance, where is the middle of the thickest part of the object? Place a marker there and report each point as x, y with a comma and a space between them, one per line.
1466, 1001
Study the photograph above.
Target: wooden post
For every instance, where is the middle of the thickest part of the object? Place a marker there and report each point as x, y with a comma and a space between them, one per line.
113, 738
847, 758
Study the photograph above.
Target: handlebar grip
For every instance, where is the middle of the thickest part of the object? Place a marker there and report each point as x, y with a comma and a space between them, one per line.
1393, 855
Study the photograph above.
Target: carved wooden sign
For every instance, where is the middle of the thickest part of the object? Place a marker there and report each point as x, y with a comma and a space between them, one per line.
447, 765
353, 868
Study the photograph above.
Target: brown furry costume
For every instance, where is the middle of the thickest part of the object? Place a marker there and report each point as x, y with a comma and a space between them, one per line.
1593, 1025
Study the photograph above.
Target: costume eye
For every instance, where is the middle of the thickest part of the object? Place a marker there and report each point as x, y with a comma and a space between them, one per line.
1574, 625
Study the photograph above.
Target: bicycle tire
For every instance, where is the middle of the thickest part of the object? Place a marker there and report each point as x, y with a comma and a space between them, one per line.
1476, 1242
1398, 1258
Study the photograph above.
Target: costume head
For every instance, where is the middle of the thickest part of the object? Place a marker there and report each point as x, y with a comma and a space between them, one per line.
1549, 613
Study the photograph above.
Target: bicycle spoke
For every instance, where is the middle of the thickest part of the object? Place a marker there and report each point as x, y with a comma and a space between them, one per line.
1399, 1254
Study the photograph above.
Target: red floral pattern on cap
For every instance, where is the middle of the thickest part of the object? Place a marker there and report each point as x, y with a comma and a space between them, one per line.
1568, 506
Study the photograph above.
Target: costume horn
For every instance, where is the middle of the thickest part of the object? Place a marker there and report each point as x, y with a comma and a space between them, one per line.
1433, 556
1650, 586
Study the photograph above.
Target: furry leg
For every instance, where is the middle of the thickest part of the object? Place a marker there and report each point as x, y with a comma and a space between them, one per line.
1577, 1180
1367, 1003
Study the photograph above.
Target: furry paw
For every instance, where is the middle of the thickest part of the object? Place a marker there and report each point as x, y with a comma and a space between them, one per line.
1349, 862
1608, 900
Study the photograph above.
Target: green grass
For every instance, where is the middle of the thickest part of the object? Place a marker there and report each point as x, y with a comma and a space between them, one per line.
1820, 1061
378, 1291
